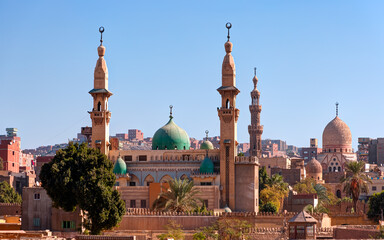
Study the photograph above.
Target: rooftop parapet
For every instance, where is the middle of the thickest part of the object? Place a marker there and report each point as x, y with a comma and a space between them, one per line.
246, 160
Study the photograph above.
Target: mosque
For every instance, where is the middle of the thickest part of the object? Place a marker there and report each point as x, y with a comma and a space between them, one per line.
223, 179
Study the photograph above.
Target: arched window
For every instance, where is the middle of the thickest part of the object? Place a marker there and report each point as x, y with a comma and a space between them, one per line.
165, 179
330, 169
334, 169
338, 193
148, 179
99, 106
339, 169
227, 104
134, 181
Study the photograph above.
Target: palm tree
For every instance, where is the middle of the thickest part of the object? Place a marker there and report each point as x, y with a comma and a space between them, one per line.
179, 197
355, 181
277, 183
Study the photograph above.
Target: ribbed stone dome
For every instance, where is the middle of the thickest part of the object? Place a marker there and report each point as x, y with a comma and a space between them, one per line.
120, 167
206, 145
337, 134
170, 136
313, 166
206, 166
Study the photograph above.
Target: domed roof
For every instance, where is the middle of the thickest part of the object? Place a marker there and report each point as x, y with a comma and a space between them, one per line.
227, 209
207, 145
337, 134
206, 166
170, 136
120, 167
313, 166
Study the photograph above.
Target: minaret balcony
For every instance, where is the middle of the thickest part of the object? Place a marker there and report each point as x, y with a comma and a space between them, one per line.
255, 108
100, 114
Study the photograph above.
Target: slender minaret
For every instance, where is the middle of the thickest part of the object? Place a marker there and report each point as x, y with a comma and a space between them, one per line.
228, 114
100, 115
255, 129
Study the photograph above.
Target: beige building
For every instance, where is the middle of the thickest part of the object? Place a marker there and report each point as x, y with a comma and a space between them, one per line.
275, 162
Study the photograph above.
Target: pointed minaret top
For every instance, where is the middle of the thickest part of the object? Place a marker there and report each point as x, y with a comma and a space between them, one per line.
228, 45
206, 134
337, 109
170, 111
101, 70
101, 48
255, 80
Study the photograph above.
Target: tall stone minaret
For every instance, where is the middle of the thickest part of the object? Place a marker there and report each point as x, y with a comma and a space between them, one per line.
255, 129
228, 114
100, 115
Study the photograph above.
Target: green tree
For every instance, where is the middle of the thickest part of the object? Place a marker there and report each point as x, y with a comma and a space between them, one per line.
8, 194
263, 178
1, 164
174, 231
179, 197
376, 205
355, 181
233, 229
82, 177
324, 195
207, 233
269, 207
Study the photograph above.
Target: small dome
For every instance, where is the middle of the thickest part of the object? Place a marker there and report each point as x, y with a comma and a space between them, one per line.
170, 136
207, 145
227, 209
313, 166
337, 134
120, 167
206, 166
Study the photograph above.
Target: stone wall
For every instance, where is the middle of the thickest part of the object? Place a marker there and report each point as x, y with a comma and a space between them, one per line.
10, 209
350, 219
355, 232
144, 219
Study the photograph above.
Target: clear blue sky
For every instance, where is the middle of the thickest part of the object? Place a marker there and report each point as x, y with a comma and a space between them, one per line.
309, 54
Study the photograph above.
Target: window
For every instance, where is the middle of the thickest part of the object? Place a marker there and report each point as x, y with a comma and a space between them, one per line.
373, 188
133, 203
117, 184
205, 183
37, 196
132, 184
143, 203
36, 222
68, 225
143, 158
305, 152
128, 158
382, 187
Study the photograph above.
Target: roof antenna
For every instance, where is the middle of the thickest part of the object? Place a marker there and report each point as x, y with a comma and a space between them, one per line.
170, 111
228, 26
337, 109
206, 134
101, 30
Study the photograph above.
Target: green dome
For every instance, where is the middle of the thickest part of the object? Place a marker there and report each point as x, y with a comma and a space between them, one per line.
170, 136
207, 145
206, 166
120, 167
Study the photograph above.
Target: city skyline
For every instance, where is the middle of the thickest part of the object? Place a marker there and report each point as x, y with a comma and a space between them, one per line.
308, 57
